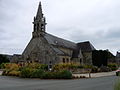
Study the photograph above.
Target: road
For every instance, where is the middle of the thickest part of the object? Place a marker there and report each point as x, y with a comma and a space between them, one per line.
101, 83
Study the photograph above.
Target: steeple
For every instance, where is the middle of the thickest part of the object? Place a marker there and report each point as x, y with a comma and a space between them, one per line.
39, 12
39, 23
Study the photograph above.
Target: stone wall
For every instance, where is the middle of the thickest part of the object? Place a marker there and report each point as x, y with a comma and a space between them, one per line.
66, 50
64, 59
39, 50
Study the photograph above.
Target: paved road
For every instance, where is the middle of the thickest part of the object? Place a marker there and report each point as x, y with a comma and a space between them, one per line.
103, 83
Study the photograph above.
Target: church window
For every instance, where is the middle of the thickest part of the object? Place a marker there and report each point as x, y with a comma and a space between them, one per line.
50, 62
63, 60
67, 60
80, 61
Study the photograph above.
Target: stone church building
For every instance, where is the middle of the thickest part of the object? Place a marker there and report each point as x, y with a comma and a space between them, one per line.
49, 49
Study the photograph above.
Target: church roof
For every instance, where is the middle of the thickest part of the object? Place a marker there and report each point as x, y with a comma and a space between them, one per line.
86, 46
53, 40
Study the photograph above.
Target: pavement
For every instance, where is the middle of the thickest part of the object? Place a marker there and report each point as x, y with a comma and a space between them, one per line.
14, 83
93, 75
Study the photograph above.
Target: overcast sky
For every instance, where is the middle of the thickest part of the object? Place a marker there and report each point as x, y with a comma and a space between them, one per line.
97, 21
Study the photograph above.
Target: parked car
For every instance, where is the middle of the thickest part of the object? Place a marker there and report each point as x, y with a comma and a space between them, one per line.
118, 72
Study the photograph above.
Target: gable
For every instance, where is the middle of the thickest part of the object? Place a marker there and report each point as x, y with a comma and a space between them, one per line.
86, 46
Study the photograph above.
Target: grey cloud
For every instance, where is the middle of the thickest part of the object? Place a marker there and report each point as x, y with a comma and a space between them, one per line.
75, 20
113, 33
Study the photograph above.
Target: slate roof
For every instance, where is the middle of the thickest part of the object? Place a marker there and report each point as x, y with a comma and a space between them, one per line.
56, 42
85, 46
53, 40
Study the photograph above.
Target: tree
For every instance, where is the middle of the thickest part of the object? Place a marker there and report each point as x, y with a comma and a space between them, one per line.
3, 59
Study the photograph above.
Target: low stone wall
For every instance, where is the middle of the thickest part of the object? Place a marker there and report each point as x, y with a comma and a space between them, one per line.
1, 71
80, 71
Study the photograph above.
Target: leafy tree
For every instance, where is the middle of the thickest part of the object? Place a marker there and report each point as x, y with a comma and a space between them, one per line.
3, 59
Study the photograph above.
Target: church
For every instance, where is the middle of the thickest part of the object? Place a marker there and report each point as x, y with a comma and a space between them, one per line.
48, 49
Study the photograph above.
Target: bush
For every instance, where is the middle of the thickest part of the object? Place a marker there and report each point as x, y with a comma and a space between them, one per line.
66, 66
94, 69
26, 72
117, 85
5, 72
88, 66
11, 66
65, 74
37, 73
113, 66
14, 73
57, 75
104, 69
48, 75
43, 67
3, 59
36, 66
35, 70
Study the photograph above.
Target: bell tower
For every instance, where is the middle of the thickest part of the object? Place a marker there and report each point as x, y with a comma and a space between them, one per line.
39, 23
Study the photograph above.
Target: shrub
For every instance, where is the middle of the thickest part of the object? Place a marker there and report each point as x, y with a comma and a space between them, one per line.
5, 72
48, 75
57, 75
88, 66
2, 66
11, 66
14, 73
36, 66
66, 66
26, 72
43, 67
65, 74
117, 85
80, 66
94, 69
37, 73
104, 69
3, 59
113, 66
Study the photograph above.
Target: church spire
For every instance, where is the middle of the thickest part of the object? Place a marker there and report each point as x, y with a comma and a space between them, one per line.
39, 23
39, 14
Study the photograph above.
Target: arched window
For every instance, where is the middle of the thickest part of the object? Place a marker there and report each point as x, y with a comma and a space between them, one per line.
80, 61
63, 60
67, 60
